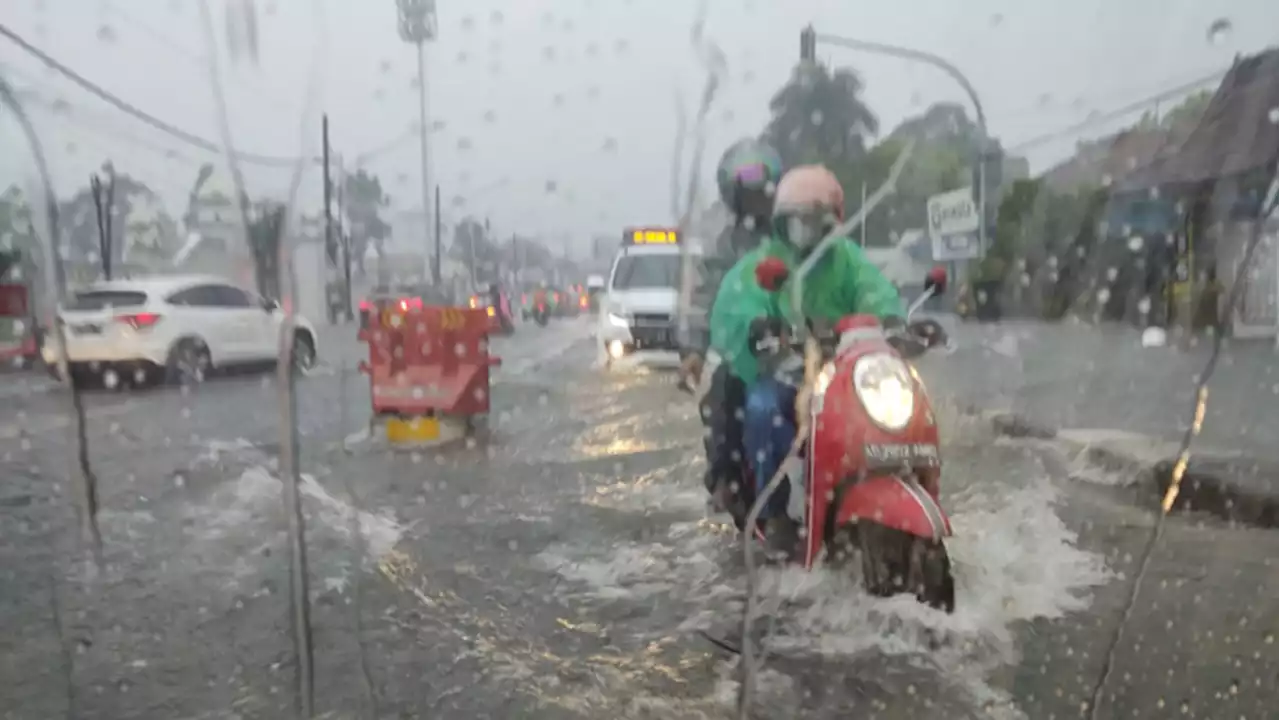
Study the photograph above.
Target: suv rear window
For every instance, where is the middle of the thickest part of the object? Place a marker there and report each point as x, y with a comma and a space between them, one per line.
103, 299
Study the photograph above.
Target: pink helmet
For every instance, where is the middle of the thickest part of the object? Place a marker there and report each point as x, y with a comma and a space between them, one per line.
807, 188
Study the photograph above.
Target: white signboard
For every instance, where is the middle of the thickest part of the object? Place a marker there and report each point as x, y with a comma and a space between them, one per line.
952, 213
961, 246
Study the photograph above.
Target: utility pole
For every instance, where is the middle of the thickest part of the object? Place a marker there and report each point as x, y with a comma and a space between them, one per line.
330, 246
809, 38
435, 267
417, 25
344, 235
863, 229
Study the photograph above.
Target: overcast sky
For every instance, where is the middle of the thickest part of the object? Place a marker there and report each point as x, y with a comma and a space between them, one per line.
575, 95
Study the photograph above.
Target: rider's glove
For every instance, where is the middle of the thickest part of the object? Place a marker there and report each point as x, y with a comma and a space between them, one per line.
767, 336
929, 331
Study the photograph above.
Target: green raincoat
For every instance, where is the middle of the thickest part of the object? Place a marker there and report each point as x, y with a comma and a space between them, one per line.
844, 282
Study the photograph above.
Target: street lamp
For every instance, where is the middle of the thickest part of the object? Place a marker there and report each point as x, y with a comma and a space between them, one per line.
1271, 212
417, 25
808, 52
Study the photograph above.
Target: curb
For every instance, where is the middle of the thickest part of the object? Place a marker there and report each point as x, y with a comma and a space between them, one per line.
1224, 485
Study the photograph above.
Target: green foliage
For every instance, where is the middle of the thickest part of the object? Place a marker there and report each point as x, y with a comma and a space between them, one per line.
819, 117
1006, 242
266, 224
364, 199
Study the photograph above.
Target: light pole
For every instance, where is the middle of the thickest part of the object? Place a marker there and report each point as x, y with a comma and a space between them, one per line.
1271, 213
417, 25
808, 51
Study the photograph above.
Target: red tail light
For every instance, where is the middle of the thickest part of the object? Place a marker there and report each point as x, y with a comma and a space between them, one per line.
404, 305
366, 305
582, 302
139, 321
474, 302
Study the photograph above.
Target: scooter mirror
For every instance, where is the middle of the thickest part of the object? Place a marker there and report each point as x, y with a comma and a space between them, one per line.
772, 273
935, 282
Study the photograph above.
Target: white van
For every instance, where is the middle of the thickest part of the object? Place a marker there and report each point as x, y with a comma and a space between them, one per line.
639, 314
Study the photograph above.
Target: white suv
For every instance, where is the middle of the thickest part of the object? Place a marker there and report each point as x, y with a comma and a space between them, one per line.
177, 326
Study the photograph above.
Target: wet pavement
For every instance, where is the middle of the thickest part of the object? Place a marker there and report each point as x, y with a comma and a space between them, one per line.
562, 569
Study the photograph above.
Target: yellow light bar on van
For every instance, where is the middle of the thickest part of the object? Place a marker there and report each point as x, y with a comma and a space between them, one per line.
651, 236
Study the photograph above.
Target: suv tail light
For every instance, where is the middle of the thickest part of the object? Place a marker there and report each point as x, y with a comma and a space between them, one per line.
139, 321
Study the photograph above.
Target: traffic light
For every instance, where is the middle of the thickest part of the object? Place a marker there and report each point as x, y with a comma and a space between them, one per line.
808, 45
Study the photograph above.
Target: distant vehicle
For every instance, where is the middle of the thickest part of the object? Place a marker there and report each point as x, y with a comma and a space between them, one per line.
399, 298
497, 305
571, 302
595, 289
642, 295
175, 328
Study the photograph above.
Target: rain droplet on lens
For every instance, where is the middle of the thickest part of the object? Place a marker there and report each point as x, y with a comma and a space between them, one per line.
1219, 31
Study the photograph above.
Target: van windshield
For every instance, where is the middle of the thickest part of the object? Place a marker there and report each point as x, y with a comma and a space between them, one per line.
638, 272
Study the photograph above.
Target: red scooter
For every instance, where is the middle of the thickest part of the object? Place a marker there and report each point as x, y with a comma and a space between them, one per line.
867, 467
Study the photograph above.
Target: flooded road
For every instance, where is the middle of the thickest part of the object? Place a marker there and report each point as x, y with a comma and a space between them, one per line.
566, 568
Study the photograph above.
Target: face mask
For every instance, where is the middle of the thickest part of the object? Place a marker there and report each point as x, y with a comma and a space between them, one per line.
806, 231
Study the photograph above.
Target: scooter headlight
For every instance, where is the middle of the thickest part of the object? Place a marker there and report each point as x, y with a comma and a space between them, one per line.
884, 385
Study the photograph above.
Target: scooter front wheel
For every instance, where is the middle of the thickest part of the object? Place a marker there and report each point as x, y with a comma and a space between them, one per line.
895, 562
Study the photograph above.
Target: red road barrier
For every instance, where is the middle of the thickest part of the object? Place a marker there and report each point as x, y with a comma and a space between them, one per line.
429, 361
15, 306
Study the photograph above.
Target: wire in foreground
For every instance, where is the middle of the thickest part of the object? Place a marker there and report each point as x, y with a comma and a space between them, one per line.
1180, 465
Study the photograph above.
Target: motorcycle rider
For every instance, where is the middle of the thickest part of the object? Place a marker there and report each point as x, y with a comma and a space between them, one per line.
747, 175
748, 321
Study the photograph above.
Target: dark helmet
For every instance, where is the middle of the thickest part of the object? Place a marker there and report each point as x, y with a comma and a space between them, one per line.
747, 174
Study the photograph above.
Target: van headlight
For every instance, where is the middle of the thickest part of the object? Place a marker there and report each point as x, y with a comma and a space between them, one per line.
884, 385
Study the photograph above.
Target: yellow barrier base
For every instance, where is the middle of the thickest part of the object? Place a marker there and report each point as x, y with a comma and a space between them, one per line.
423, 430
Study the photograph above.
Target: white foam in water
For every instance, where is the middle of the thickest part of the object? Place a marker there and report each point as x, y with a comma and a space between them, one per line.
242, 517
1013, 558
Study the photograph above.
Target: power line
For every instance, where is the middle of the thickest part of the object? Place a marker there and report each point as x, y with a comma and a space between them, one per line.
269, 94
146, 118
134, 111
1118, 113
